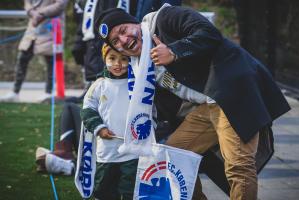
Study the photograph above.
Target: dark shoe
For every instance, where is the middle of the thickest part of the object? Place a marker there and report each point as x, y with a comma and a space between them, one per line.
64, 149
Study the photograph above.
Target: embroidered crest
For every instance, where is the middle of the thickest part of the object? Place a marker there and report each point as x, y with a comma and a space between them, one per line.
141, 126
103, 30
103, 98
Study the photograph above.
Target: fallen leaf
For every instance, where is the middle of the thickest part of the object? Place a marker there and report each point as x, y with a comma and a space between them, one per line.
24, 109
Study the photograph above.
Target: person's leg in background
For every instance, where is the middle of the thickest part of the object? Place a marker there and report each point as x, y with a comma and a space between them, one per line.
49, 62
62, 158
23, 58
239, 157
197, 134
70, 124
49, 79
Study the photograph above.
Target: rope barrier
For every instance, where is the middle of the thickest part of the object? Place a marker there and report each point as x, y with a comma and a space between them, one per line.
11, 38
48, 27
53, 107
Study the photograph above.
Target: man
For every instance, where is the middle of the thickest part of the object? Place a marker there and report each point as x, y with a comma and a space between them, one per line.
37, 40
237, 95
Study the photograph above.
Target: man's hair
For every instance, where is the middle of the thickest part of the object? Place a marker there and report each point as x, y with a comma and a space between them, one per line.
105, 50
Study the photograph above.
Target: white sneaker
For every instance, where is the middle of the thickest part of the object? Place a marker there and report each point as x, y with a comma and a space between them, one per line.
56, 165
44, 97
41, 153
10, 97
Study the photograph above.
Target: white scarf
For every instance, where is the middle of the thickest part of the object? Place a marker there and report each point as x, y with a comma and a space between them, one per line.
141, 81
88, 19
139, 134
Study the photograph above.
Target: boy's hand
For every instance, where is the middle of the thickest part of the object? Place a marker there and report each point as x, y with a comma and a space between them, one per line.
105, 133
161, 54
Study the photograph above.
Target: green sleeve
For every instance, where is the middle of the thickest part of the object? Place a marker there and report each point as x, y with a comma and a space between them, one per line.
91, 119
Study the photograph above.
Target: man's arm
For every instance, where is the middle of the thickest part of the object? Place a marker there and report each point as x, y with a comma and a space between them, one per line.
197, 36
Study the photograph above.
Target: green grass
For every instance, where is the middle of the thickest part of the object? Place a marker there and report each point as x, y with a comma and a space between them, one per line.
24, 127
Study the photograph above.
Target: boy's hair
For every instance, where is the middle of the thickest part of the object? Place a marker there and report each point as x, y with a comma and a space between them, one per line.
105, 50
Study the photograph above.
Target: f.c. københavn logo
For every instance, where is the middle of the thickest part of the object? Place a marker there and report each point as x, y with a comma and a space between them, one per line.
141, 126
155, 186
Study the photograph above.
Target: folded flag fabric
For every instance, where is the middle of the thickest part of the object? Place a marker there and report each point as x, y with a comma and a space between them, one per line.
86, 163
170, 173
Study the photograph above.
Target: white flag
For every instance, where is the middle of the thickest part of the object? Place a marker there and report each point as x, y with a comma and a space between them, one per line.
169, 174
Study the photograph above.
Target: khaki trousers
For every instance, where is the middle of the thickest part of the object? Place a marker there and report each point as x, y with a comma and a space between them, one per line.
206, 126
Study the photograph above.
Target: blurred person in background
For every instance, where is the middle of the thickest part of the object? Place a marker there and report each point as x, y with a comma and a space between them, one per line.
37, 40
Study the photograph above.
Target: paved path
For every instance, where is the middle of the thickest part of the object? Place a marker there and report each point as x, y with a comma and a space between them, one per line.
31, 92
279, 180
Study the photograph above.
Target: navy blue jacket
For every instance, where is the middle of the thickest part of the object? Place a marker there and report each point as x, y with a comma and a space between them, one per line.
213, 65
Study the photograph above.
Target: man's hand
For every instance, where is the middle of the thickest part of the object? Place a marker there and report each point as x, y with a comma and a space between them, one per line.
105, 133
161, 54
37, 17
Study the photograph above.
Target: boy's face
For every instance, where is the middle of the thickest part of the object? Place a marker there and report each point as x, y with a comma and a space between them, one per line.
127, 39
117, 64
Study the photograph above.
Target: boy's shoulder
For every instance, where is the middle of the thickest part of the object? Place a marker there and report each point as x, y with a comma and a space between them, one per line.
98, 81
94, 85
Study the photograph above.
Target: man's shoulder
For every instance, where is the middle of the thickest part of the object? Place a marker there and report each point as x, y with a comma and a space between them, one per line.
95, 86
173, 13
175, 9
169, 10
165, 15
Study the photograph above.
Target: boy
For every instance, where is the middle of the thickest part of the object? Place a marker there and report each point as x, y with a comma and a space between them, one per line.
104, 113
